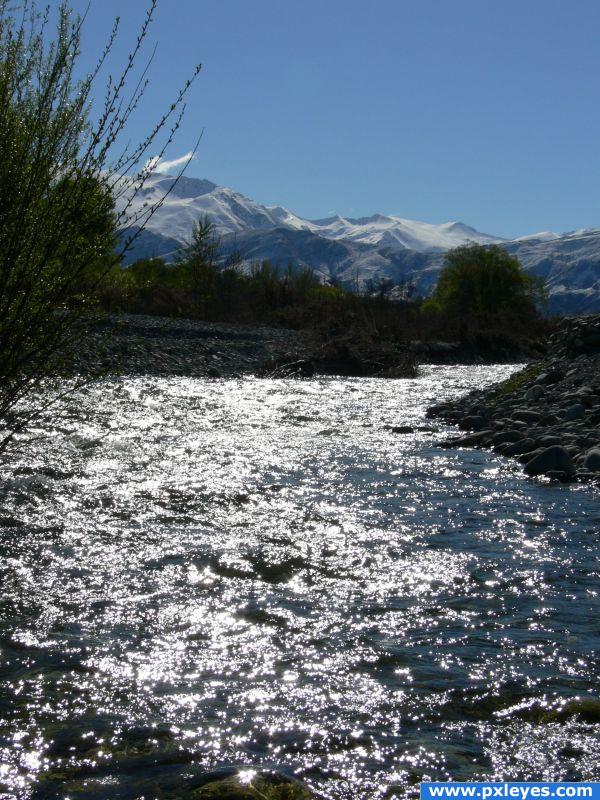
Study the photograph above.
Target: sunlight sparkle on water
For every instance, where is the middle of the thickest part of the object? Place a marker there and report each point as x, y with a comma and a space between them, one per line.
262, 572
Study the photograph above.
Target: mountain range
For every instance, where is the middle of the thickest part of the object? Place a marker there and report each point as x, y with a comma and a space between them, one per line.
354, 250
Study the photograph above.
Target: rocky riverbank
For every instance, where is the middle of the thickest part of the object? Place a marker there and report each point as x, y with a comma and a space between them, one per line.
548, 415
132, 344
135, 344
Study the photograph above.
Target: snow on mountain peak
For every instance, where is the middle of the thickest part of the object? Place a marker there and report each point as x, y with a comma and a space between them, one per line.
542, 236
232, 212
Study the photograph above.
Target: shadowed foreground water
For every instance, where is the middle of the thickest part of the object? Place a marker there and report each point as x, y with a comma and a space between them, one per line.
199, 574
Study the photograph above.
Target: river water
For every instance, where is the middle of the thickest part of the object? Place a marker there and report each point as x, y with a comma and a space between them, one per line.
198, 574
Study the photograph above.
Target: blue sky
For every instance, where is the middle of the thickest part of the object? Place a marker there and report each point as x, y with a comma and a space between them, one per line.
484, 111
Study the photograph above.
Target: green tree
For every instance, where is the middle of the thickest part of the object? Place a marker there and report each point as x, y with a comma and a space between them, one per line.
198, 260
483, 280
60, 174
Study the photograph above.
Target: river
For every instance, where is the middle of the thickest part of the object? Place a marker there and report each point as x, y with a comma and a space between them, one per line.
208, 573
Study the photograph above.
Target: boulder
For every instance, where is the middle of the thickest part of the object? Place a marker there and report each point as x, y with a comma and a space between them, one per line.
572, 449
518, 448
535, 393
507, 437
551, 459
584, 475
576, 411
549, 440
559, 475
548, 378
591, 462
526, 457
472, 440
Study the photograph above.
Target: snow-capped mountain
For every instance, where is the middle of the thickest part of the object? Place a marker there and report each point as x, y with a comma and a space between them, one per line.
231, 212
354, 250
389, 231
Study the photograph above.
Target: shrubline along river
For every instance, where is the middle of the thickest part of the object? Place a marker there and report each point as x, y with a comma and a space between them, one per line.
271, 574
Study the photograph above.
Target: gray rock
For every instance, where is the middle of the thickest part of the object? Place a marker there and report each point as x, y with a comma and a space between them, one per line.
591, 462
472, 440
572, 449
526, 415
548, 441
585, 396
507, 437
576, 411
583, 475
550, 377
519, 424
518, 448
559, 475
473, 422
551, 459
535, 393
526, 457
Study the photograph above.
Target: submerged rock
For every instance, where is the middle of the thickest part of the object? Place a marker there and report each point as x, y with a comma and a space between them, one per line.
400, 428
248, 785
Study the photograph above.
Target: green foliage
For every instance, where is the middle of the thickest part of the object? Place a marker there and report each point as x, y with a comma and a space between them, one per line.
58, 184
485, 300
516, 381
85, 250
57, 223
326, 293
201, 283
146, 273
483, 280
197, 261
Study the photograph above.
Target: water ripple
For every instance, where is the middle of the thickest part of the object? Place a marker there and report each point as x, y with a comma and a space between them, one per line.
288, 574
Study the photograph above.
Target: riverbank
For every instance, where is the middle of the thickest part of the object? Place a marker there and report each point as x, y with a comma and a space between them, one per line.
138, 344
547, 416
135, 344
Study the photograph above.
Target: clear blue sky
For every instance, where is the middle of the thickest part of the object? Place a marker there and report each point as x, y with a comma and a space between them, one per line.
484, 111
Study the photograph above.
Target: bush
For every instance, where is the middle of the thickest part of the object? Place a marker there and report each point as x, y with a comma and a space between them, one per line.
484, 280
485, 300
58, 182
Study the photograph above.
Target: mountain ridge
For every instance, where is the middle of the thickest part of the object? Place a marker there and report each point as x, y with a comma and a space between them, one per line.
354, 250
